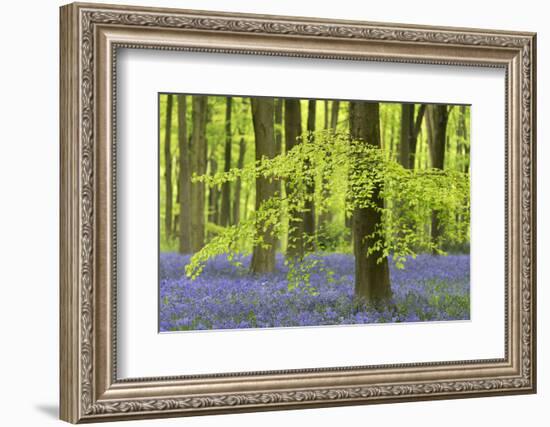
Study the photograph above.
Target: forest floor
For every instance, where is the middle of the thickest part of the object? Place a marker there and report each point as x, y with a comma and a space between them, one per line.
224, 296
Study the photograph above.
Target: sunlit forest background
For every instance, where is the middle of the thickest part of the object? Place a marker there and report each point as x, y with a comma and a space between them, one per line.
294, 212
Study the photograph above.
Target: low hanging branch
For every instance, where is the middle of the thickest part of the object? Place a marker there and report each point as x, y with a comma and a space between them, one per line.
400, 233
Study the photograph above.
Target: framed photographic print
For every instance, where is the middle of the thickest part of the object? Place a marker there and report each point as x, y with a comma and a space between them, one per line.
266, 212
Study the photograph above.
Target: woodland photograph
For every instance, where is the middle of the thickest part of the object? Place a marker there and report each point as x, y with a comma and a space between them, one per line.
286, 212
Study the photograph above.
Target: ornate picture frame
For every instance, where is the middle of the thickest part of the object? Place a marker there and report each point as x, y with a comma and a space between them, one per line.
90, 37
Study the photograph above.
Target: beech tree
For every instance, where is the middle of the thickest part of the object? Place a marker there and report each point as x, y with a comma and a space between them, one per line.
437, 118
263, 254
293, 133
197, 155
168, 168
309, 205
372, 277
410, 128
184, 186
225, 213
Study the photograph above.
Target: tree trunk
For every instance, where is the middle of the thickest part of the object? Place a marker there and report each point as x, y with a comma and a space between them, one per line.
278, 126
184, 179
197, 150
331, 121
225, 214
437, 117
372, 278
334, 115
309, 214
237, 196
464, 136
416, 131
407, 129
293, 130
263, 254
168, 169
325, 115
213, 195
278, 149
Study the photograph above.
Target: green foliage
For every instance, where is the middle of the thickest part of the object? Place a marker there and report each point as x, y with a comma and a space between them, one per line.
349, 171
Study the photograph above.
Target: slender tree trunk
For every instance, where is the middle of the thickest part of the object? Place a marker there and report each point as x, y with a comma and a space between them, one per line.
213, 195
331, 121
372, 278
334, 114
197, 156
278, 150
175, 221
278, 126
293, 130
225, 214
263, 255
309, 214
168, 169
414, 137
333, 125
465, 150
410, 128
184, 179
237, 196
407, 129
437, 117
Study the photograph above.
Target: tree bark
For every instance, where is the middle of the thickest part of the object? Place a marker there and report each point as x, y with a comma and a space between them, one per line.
331, 121
407, 129
225, 214
334, 114
309, 214
184, 187
325, 115
464, 136
293, 130
416, 131
263, 255
437, 117
168, 169
372, 278
213, 195
237, 197
278, 126
278, 149
197, 150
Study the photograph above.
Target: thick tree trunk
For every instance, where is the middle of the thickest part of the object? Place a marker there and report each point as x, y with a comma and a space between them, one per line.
293, 130
225, 214
184, 187
237, 197
372, 278
197, 150
263, 255
309, 214
168, 169
437, 117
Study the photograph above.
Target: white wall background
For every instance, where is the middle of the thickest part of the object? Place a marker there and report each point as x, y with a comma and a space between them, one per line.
29, 171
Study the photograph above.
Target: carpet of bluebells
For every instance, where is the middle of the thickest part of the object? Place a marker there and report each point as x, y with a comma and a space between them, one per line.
225, 296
